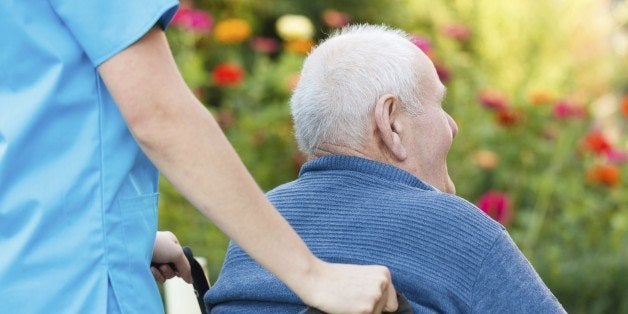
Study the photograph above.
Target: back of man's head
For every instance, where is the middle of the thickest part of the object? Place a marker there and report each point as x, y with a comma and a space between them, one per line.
343, 78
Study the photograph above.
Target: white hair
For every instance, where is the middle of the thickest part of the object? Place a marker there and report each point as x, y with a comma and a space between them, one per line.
343, 78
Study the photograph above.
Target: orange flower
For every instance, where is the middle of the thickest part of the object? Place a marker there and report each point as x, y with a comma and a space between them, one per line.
624, 106
485, 159
232, 31
292, 81
300, 46
607, 175
333, 18
540, 97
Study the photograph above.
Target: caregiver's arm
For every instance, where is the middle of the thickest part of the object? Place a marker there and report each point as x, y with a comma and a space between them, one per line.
184, 141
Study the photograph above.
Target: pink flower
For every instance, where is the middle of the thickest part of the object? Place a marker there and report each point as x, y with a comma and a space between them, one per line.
422, 42
493, 100
337, 19
616, 156
198, 21
497, 205
565, 109
265, 45
457, 31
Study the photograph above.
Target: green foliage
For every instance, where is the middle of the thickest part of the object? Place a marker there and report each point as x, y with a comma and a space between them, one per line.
574, 232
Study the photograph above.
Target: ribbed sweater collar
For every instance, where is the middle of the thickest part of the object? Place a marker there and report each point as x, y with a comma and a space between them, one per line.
366, 166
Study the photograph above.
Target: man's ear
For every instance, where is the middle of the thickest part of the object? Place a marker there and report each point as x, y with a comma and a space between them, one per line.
389, 126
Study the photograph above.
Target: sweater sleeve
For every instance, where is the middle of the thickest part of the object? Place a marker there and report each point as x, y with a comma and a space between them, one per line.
507, 283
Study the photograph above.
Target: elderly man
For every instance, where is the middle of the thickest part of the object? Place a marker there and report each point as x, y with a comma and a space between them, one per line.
376, 190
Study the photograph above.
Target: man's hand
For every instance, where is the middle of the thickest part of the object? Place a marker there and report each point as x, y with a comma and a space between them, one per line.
168, 250
343, 288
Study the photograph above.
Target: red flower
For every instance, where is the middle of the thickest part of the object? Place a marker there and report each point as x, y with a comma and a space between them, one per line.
624, 106
195, 20
596, 142
493, 100
457, 31
565, 109
265, 44
508, 116
228, 74
337, 19
497, 205
604, 174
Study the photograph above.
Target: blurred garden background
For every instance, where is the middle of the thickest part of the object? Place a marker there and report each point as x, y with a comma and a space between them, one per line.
538, 89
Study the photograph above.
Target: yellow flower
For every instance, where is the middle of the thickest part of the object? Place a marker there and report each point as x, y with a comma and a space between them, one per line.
300, 46
292, 27
232, 31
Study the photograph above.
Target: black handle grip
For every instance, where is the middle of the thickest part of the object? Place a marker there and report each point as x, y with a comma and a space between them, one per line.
199, 283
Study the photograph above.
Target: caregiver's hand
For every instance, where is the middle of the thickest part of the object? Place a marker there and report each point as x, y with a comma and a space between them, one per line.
343, 288
166, 252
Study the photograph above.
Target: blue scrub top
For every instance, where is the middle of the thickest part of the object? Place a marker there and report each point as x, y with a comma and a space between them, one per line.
77, 196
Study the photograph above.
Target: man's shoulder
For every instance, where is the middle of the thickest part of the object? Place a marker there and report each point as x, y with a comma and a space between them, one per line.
402, 204
441, 206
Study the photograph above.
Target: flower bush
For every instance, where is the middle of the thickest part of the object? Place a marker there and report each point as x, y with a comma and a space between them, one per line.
541, 106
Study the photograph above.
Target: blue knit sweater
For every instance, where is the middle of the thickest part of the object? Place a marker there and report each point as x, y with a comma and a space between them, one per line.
445, 254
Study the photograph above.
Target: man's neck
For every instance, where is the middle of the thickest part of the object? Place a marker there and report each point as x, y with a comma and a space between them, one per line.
326, 149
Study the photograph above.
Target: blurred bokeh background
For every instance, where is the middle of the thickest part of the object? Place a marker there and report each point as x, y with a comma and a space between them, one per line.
538, 89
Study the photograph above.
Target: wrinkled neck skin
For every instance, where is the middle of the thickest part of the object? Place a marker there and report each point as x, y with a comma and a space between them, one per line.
377, 151
326, 149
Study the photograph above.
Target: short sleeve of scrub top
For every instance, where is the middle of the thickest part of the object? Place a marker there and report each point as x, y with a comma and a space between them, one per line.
104, 28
